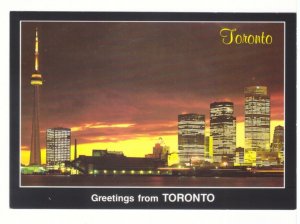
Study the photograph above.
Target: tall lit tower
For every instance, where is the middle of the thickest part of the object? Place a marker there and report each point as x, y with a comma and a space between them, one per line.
36, 82
191, 129
222, 129
257, 119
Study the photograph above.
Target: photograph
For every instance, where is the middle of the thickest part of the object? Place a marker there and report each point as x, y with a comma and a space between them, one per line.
152, 110
193, 104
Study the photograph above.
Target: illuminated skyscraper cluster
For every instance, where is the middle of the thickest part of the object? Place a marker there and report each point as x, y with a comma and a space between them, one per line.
222, 129
220, 146
191, 129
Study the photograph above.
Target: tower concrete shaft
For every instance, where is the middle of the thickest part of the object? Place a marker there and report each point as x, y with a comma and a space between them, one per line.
36, 82
35, 155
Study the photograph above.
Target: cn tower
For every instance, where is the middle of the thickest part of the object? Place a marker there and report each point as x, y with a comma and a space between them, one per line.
36, 81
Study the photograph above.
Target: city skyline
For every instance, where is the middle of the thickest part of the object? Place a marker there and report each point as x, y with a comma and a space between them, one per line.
138, 107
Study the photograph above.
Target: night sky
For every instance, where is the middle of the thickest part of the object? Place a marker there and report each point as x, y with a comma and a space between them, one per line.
112, 82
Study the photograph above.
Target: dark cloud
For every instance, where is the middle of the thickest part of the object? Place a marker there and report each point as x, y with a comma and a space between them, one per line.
143, 73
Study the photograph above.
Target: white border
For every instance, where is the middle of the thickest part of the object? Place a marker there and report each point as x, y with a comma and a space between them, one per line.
169, 187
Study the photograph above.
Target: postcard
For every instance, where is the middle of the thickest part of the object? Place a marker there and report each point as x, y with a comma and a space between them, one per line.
153, 110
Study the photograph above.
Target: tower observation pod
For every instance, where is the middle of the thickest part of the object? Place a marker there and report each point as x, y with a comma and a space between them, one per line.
36, 77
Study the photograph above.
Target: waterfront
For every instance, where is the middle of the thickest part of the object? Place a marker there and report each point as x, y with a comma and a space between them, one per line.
149, 181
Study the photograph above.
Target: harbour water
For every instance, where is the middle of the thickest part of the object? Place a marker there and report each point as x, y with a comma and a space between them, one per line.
149, 181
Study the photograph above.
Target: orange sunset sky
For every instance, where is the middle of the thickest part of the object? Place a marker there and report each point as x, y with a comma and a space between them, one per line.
120, 86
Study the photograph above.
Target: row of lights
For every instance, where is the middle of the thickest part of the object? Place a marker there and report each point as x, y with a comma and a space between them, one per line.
124, 172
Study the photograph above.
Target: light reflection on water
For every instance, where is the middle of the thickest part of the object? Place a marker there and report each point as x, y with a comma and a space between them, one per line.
155, 181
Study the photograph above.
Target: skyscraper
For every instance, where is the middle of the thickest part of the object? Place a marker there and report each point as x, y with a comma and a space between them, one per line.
278, 143
191, 129
223, 130
257, 119
36, 82
278, 139
58, 146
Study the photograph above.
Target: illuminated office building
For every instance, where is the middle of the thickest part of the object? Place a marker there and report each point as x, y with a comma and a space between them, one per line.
58, 146
223, 130
36, 81
278, 139
278, 143
257, 119
191, 129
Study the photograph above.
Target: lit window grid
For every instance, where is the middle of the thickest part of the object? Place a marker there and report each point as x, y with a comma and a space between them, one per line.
191, 151
58, 145
191, 128
257, 122
224, 139
222, 129
278, 139
221, 109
